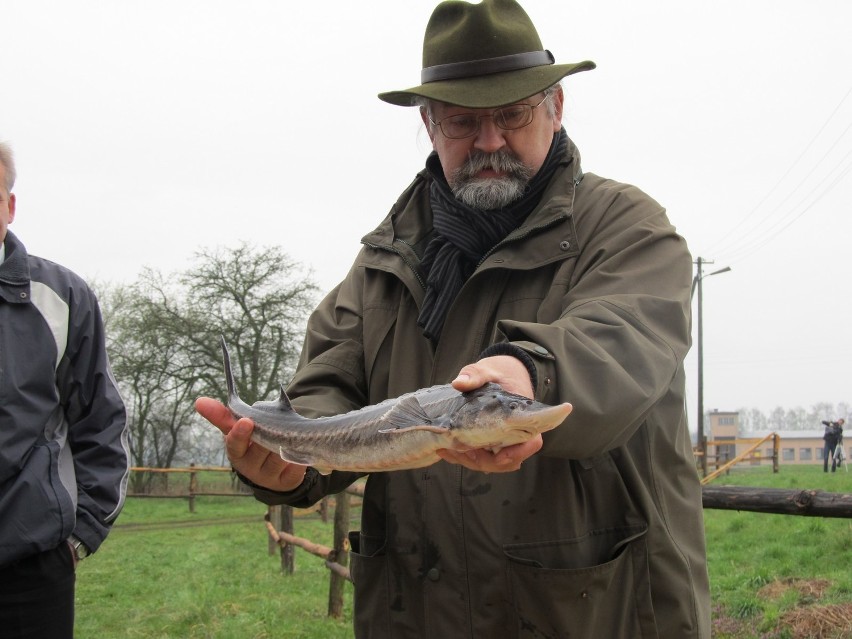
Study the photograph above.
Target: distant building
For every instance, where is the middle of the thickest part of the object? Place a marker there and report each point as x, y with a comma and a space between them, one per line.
797, 446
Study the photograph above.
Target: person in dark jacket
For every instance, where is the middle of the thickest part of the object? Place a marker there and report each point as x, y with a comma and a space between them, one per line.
64, 458
504, 261
833, 436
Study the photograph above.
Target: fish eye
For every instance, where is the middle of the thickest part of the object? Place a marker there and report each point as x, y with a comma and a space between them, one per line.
513, 405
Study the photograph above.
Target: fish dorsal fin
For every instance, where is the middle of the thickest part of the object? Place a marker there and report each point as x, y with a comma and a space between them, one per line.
283, 400
279, 408
407, 415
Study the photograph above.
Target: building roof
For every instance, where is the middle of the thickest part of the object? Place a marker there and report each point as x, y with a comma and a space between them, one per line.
787, 434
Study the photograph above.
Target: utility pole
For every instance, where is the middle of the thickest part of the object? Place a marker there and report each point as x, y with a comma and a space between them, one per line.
696, 284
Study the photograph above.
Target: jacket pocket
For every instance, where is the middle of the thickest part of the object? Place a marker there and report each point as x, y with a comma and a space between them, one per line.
39, 505
369, 574
586, 588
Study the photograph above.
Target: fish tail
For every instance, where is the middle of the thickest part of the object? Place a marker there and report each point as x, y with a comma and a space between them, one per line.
229, 373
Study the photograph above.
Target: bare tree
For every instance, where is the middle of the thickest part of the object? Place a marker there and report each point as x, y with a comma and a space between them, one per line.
164, 341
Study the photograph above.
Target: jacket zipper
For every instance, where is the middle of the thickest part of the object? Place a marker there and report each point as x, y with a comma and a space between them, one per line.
399, 254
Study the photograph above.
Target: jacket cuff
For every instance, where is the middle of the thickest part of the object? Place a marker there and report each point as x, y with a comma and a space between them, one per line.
295, 497
507, 348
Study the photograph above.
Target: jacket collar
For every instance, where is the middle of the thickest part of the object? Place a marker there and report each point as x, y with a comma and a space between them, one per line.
15, 271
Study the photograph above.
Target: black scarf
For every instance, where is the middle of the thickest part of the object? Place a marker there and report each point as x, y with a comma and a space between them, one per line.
464, 235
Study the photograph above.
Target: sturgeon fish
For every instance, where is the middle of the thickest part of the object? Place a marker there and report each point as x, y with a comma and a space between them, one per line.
396, 434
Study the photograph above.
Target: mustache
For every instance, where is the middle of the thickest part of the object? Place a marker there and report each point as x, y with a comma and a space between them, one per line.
502, 161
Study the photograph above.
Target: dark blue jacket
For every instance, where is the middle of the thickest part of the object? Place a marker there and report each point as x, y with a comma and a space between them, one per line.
64, 458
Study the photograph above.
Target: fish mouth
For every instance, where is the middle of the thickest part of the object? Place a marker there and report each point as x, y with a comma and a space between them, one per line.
540, 421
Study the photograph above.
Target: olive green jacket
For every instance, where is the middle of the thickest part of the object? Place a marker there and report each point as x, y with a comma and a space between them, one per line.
599, 535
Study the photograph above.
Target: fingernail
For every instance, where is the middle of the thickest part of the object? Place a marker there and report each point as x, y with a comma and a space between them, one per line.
464, 377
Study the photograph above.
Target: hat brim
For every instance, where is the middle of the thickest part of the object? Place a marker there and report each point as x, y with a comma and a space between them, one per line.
487, 91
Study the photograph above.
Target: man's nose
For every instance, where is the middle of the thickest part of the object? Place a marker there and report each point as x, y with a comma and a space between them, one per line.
490, 137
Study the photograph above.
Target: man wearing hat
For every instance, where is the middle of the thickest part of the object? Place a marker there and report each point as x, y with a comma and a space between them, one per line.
503, 261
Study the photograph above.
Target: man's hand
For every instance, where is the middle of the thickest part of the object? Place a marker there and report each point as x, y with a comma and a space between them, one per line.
252, 461
505, 370
483, 460
512, 375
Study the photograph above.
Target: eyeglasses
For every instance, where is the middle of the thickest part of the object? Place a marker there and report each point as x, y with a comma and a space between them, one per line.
508, 118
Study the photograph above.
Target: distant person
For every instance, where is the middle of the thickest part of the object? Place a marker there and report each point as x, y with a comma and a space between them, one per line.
505, 261
63, 441
833, 437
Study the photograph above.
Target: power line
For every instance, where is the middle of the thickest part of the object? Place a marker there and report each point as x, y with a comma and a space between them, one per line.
756, 238
796, 212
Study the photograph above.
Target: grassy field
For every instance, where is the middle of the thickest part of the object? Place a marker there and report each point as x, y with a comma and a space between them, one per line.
781, 576
165, 573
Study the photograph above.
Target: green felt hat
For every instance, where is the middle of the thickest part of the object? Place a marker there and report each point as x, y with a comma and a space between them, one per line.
483, 55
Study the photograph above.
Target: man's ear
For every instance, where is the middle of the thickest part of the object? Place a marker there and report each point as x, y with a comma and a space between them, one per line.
11, 207
424, 115
558, 100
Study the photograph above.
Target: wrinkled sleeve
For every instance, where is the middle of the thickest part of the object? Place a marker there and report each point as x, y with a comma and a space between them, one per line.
97, 422
624, 324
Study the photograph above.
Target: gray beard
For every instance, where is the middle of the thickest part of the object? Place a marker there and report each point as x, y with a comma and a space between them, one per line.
490, 193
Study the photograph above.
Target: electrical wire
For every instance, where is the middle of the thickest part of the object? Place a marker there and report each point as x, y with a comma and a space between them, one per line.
756, 237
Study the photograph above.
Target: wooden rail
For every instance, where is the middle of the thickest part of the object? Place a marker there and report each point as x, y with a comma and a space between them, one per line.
746, 455
811, 503
323, 552
336, 558
192, 491
700, 453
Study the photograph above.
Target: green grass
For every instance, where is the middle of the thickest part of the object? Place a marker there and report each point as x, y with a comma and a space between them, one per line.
203, 580
763, 566
166, 573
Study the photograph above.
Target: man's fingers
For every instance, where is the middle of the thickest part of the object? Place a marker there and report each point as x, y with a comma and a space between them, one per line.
507, 459
468, 379
216, 413
505, 370
238, 440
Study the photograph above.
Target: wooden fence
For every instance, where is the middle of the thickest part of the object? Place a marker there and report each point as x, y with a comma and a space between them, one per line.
722, 459
192, 491
279, 524
279, 519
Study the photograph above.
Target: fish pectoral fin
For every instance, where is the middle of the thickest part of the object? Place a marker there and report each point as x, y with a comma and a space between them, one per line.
293, 457
407, 412
432, 428
303, 460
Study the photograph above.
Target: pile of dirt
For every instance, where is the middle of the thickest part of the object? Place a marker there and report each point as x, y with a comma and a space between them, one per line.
809, 590
819, 622
808, 620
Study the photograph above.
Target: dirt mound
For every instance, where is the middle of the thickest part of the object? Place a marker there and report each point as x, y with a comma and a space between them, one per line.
808, 620
809, 590
819, 622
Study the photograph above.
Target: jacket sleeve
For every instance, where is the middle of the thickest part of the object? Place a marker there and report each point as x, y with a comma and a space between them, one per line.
97, 422
624, 324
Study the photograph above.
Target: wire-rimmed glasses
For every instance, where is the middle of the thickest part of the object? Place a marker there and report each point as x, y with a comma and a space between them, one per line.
508, 118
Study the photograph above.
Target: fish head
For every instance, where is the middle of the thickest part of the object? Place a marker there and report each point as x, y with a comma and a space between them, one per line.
492, 416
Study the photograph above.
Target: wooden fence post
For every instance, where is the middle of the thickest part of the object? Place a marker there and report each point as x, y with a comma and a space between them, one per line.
281, 518
288, 552
340, 554
776, 449
193, 488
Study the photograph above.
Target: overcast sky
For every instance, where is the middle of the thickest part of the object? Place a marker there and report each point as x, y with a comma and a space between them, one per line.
145, 131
